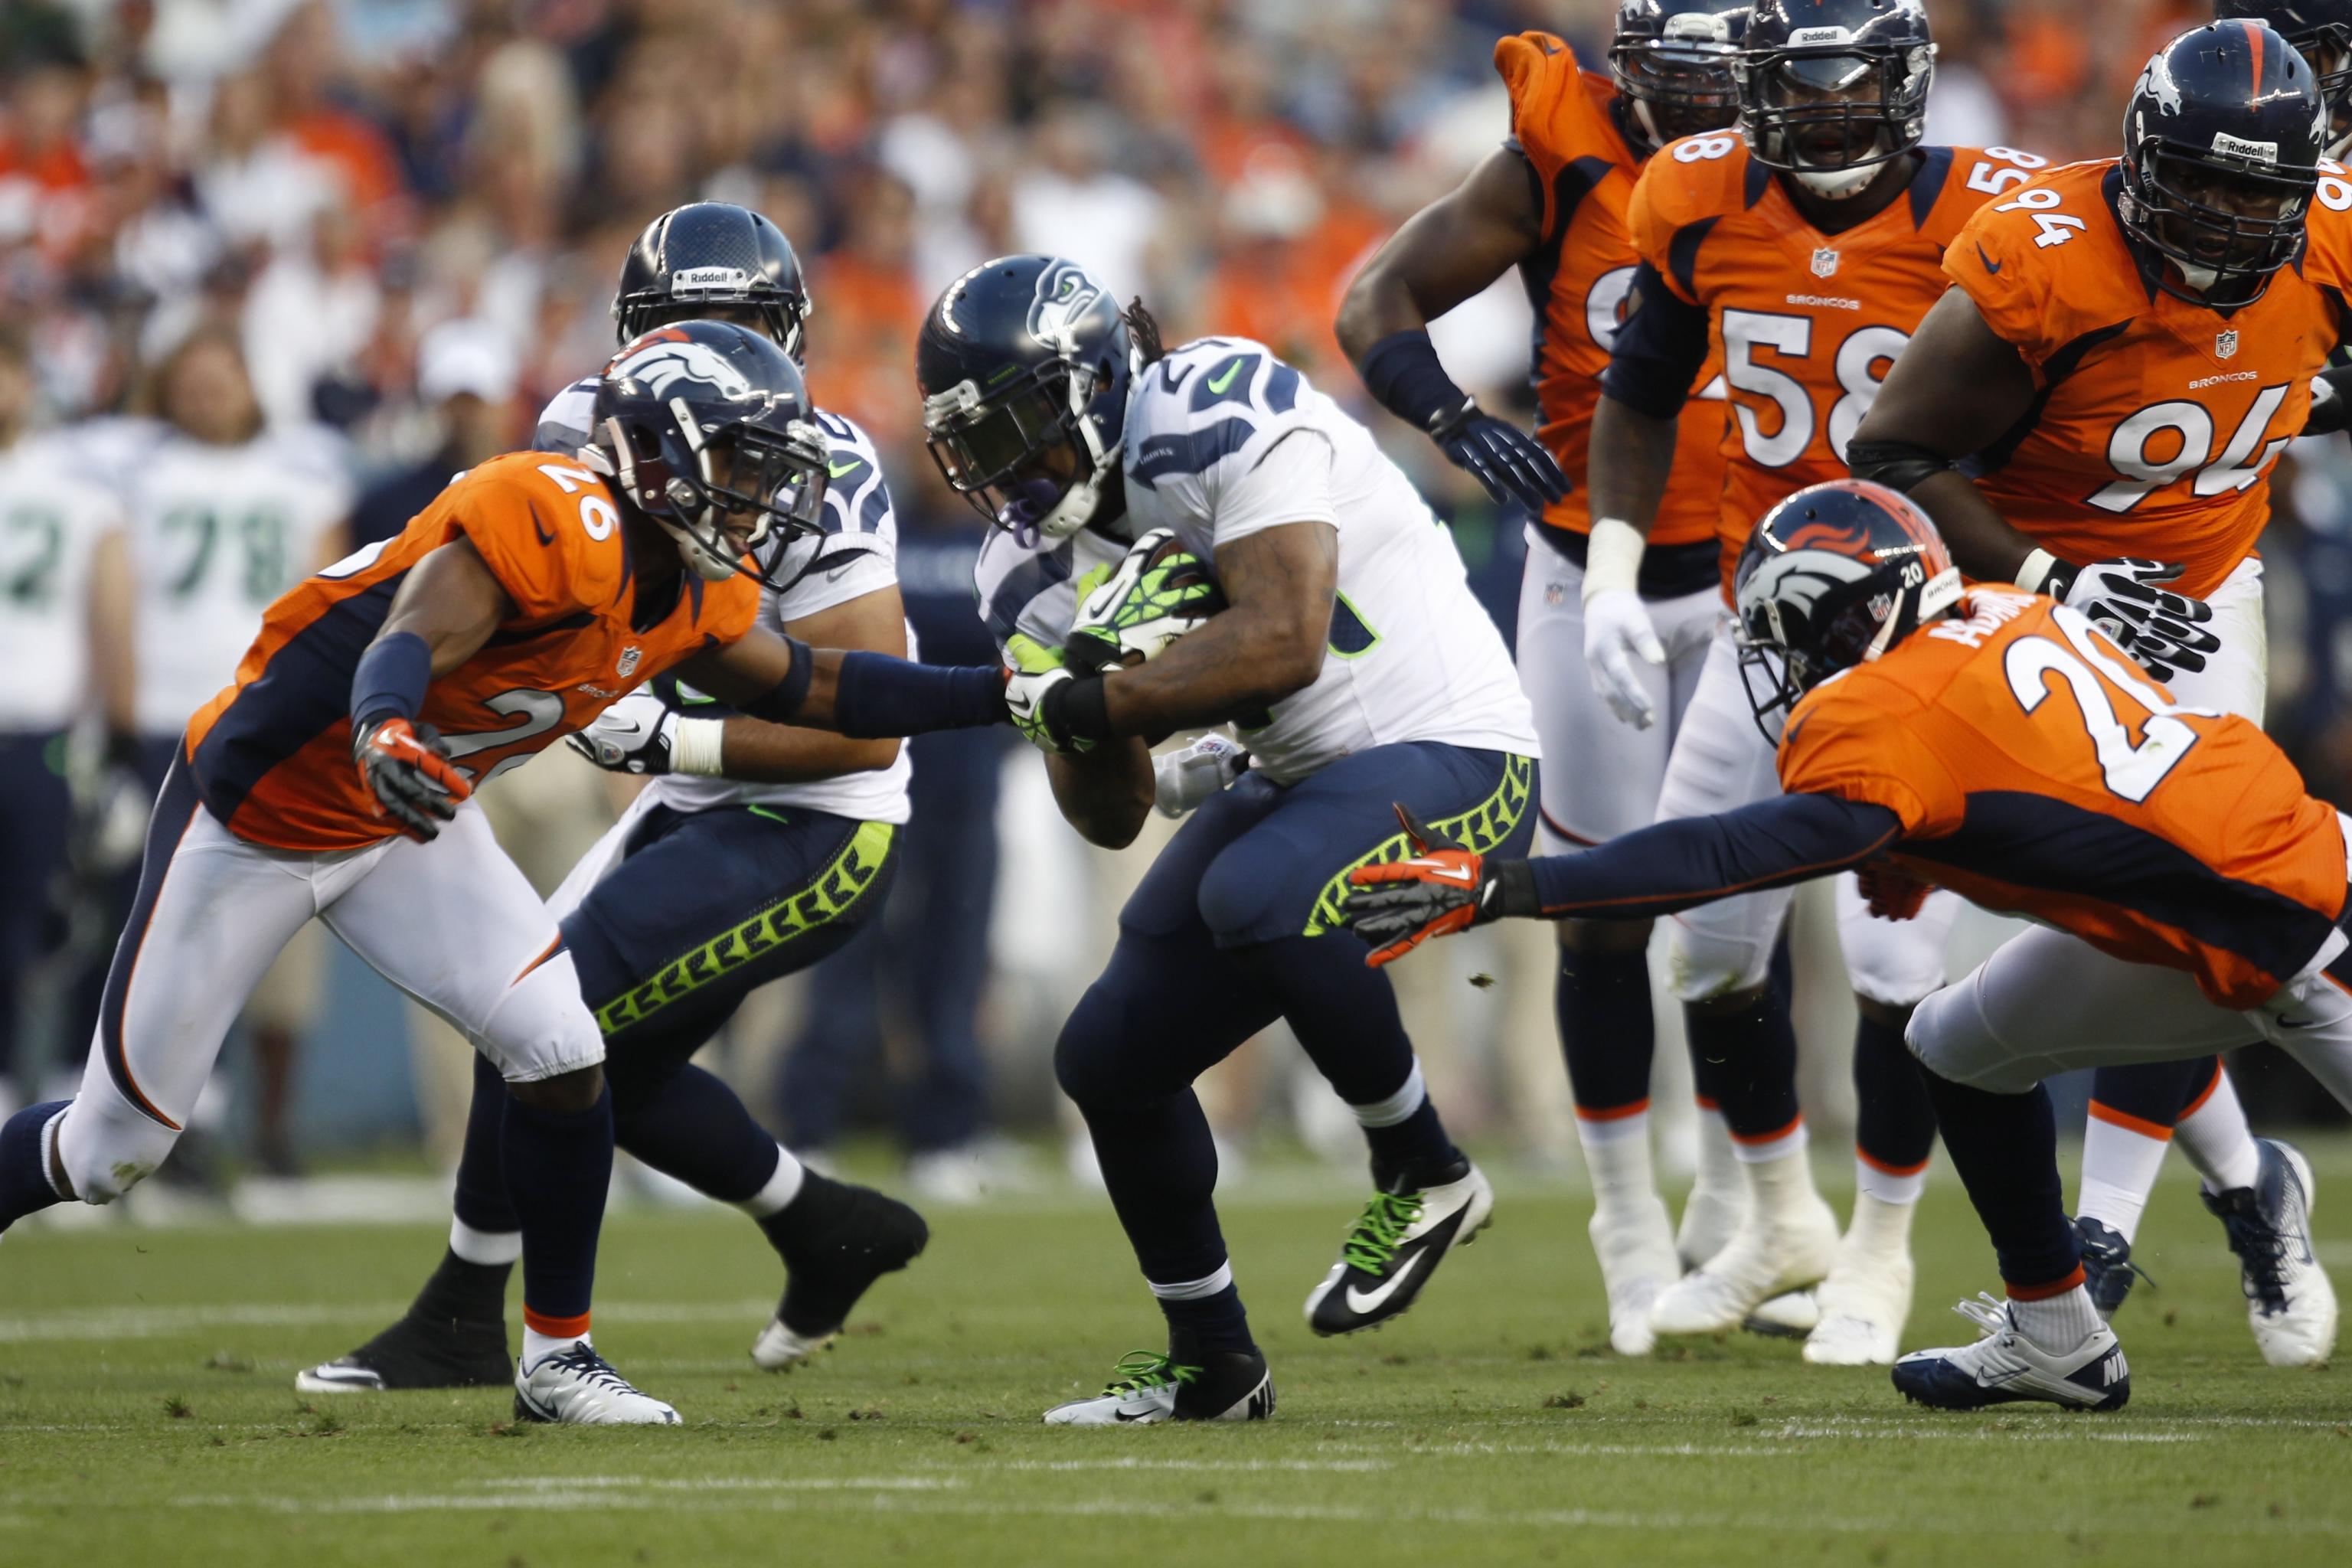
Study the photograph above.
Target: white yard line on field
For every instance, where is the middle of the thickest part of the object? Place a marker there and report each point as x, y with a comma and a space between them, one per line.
156, 1323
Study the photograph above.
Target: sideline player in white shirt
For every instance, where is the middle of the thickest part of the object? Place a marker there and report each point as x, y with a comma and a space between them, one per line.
1360, 670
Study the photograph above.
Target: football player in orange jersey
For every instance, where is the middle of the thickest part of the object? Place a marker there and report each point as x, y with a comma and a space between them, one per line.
1551, 203
1996, 743
1799, 251
530, 596
2093, 409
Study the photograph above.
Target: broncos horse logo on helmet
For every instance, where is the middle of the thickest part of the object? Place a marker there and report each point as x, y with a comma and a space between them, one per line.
1024, 365
706, 427
1832, 577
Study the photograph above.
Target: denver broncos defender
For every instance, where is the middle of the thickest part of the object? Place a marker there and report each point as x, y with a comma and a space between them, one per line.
1997, 743
2093, 409
1552, 202
1356, 664
332, 779
706, 887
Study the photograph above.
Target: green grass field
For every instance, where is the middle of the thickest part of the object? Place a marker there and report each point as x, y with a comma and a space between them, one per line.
147, 1414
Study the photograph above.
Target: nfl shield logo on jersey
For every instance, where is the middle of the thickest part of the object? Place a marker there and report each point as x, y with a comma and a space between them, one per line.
2225, 344
1825, 262
629, 658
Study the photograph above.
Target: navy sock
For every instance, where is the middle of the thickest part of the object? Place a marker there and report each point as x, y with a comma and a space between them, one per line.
1746, 1061
481, 1202
558, 1166
689, 1124
1894, 1125
1606, 1029
1214, 1322
2153, 1092
1345, 1015
2005, 1148
23, 1173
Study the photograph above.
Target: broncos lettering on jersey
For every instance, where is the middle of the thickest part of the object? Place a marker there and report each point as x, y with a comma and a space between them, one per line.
1579, 280
2038, 771
1805, 324
2158, 419
271, 755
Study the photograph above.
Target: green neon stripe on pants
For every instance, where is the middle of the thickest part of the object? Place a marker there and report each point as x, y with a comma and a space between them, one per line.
1478, 830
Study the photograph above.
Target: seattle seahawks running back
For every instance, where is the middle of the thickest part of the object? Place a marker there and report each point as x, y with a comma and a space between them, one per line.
1132, 490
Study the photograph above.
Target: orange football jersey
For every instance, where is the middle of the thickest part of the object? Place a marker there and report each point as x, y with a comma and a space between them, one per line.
1580, 276
2160, 420
2039, 772
1804, 324
272, 753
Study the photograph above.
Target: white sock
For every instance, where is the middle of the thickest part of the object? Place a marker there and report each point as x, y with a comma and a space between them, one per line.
1617, 1155
2058, 1322
1881, 1226
2213, 1134
1775, 1147
485, 1246
1900, 1188
2120, 1167
536, 1347
1719, 1157
1781, 1187
781, 1190
1407, 1100
1194, 1290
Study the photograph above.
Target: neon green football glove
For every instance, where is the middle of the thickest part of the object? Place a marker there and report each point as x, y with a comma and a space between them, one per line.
1127, 614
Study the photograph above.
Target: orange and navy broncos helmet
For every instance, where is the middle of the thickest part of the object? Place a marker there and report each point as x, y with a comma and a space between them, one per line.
1832, 577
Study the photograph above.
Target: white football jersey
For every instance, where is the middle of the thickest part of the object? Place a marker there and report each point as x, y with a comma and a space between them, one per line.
1224, 440
217, 533
51, 521
861, 534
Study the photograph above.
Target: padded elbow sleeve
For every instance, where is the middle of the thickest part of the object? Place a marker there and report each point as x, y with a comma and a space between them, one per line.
1897, 465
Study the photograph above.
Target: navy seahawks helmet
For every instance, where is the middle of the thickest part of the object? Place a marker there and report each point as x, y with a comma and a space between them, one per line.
1671, 61
2321, 32
712, 253
706, 428
2222, 147
1832, 577
1024, 365
1830, 89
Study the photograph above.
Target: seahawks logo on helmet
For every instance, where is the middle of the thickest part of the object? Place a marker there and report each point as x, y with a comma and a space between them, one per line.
1066, 295
663, 363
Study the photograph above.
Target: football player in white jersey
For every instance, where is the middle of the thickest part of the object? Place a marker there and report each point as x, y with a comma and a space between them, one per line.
1359, 670
64, 615
708, 887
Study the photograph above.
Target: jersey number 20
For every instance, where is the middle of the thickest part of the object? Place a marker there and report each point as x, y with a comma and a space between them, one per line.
2131, 770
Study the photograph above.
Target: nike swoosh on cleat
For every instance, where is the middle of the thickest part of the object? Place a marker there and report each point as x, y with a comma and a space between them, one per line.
1130, 1414
1372, 1300
1219, 383
1989, 264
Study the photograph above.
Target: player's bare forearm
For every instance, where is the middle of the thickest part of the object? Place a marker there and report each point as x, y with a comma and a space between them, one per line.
113, 609
1106, 794
453, 601
1281, 584
1631, 456
1956, 389
1445, 253
760, 752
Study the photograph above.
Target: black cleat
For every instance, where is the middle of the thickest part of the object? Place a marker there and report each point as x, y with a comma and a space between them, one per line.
418, 1353
1404, 1233
2107, 1267
840, 1239
1188, 1384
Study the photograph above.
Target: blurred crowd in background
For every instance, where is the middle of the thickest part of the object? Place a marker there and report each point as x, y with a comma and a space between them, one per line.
406, 217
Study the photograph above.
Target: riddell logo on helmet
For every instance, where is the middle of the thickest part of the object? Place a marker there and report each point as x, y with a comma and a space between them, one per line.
1804, 37
709, 281
2238, 147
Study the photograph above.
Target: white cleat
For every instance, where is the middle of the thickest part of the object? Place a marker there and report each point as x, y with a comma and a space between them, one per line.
580, 1388
1711, 1217
778, 1348
1636, 1251
2005, 1367
2290, 1303
1766, 1258
1790, 1316
1405, 1232
1865, 1303
1147, 1388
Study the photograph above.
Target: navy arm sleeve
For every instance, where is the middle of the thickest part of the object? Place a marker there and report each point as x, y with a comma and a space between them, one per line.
1659, 349
1696, 860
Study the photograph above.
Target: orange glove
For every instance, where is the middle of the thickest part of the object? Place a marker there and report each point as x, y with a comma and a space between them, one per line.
1892, 893
408, 773
1436, 891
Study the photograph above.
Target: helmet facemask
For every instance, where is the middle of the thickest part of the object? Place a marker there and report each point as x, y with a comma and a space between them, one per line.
1808, 614
2224, 225
737, 485
1675, 87
1831, 117
1030, 458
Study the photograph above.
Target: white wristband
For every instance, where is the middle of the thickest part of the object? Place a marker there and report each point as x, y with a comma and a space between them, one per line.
1612, 557
698, 746
2035, 571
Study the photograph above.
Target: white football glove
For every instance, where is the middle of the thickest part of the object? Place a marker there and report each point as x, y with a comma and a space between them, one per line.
2165, 631
1189, 775
1617, 631
639, 735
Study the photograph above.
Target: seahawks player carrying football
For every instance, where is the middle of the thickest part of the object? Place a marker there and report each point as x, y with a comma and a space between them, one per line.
705, 888
1358, 666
